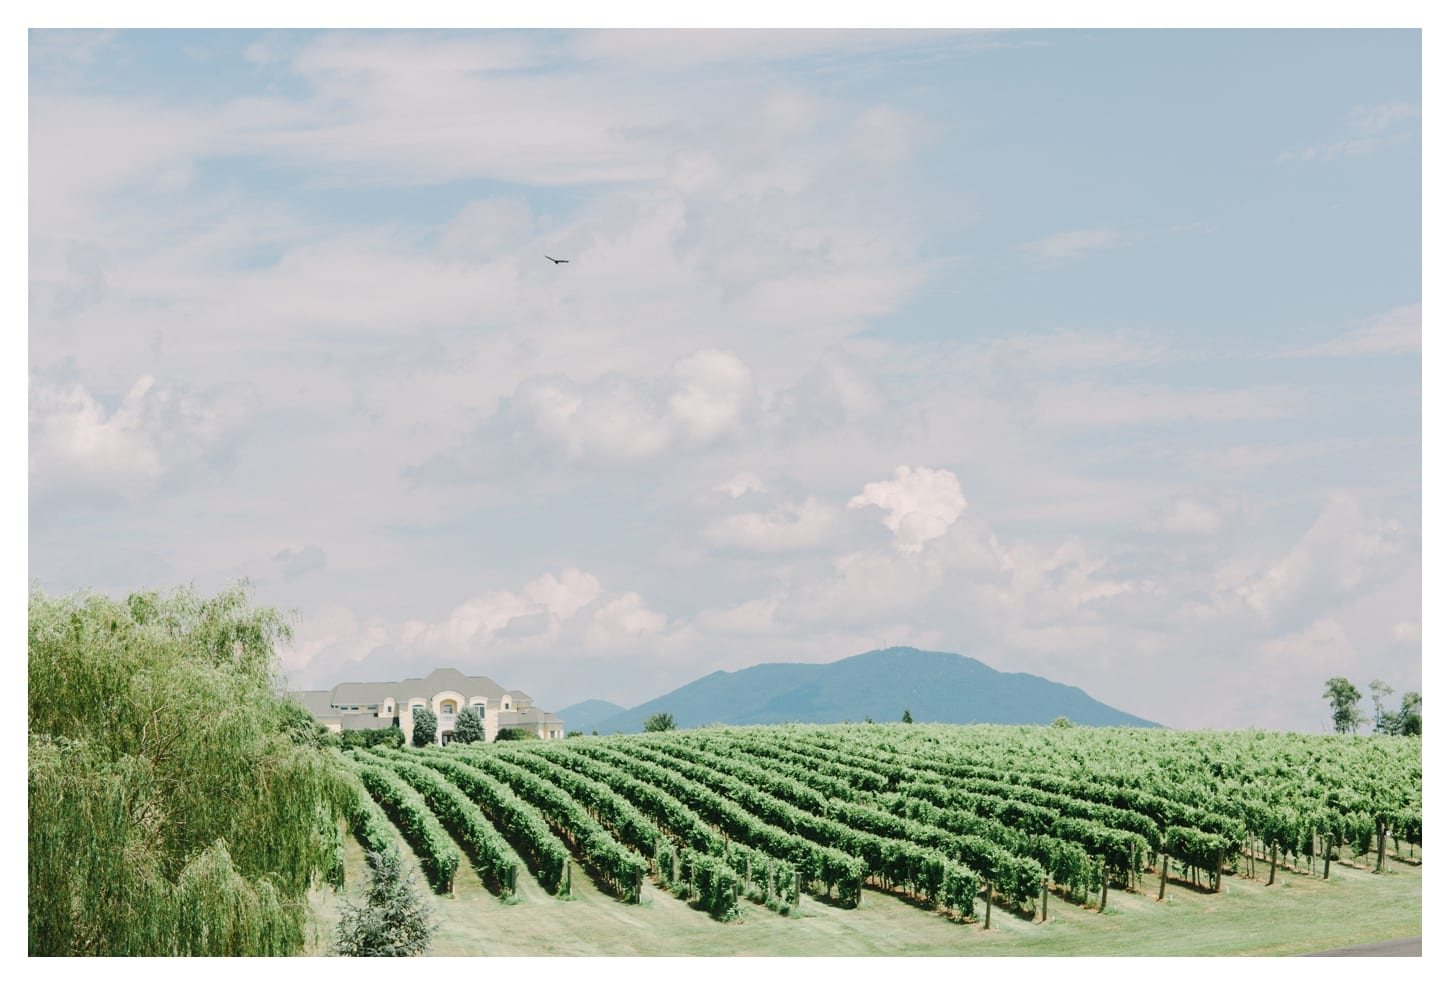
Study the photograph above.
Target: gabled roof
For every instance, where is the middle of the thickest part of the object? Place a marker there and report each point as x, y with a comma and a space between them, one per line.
527, 716
444, 679
319, 703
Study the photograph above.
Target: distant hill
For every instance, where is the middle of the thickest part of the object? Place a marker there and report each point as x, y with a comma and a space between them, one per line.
586, 715
937, 687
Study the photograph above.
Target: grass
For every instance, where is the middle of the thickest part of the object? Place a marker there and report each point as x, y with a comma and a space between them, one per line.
1298, 914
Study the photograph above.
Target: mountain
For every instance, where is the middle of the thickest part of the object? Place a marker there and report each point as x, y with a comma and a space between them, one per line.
586, 715
881, 684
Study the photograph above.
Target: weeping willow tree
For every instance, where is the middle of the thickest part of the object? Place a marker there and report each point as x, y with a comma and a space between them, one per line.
174, 807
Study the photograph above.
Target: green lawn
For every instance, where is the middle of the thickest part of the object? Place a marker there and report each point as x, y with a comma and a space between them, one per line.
1299, 914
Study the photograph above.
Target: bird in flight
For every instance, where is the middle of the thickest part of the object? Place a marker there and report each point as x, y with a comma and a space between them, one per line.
547, 257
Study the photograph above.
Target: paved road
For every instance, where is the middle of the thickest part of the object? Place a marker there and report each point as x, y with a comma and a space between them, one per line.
1408, 947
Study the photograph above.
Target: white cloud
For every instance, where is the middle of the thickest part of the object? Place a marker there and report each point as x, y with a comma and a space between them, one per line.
713, 395
1405, 632
1190, 516
1394, 333
623, 621
1343, 552
478, 621
706, 397
1320, 651
920, 504
742, 483
77, 446
787, 529
1073, 244
885, 135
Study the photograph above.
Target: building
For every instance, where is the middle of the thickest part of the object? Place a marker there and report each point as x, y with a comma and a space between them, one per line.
444, 692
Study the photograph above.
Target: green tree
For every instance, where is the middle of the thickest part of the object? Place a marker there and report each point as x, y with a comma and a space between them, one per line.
1344, 699
514, 735
1408, 721
906, 716
425, 728
1062, 721
176, 805
395, 920
467, 727
1384, 721
661, 721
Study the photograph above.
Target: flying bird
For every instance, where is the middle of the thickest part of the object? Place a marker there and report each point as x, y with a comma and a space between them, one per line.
547, 257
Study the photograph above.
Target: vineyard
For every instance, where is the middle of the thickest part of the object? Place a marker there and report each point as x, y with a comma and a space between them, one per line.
956, 820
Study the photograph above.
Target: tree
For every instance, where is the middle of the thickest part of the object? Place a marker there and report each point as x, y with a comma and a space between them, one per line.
1344, 698
425, 728
906, 716
395, 920
176, 805
1062, 721
1408, 721
513, 735
1384, 721
467, 727
661, 721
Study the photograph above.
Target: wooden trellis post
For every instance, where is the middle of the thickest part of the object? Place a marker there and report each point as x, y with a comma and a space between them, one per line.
1044, 900
1163, 878
988, 925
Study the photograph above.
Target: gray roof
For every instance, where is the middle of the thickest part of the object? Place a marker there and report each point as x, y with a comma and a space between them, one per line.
446, 679
527, 716
319, 703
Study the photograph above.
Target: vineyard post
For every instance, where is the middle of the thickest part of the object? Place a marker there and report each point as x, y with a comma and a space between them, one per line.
1044, 899
568, 877
1273, 861
1103, 904
1218, 871
989, 907
1163, 877
1379, 864
1326, 858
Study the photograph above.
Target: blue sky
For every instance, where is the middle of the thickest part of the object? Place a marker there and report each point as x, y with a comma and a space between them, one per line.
1093, 354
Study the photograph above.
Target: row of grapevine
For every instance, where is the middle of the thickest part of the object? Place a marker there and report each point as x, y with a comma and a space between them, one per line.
618, 866
436, 852
495, 861
765, 879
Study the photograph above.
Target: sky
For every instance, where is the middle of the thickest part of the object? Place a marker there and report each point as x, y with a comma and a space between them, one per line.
1091, 354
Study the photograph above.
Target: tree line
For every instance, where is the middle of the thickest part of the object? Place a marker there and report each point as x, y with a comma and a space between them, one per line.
1344, 700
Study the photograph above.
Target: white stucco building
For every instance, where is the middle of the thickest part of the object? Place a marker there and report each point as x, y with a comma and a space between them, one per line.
444, 692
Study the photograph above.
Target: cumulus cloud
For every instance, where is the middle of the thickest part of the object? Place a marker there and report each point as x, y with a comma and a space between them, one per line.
1322, 649
1191, 516
623, 620
1344, 551
920, 504
789, 528
77, 446
742, 483
706, 397
477, 621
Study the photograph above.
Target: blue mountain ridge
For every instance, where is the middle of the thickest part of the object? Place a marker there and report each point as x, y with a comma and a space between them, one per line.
880, 684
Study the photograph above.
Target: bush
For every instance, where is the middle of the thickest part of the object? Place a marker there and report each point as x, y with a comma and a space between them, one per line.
660, 722
467, 727
395, 920
425, 728
513, 735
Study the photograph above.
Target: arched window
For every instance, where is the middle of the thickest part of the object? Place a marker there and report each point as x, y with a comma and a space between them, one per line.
449, 707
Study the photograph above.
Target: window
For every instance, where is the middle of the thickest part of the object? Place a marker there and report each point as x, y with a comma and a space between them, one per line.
417, 708
449, 707
478, 706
